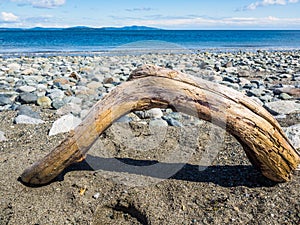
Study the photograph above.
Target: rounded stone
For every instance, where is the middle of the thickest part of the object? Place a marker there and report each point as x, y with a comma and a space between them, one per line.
44, 101
27, 98
155, 113
26, 89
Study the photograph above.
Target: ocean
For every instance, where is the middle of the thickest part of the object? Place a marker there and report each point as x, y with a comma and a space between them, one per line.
90, 41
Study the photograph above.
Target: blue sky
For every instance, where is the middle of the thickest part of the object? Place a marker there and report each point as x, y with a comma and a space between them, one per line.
167, 14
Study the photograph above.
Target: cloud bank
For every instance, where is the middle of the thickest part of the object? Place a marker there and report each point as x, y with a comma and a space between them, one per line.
8, 17
206, 22
257, 4
49, 4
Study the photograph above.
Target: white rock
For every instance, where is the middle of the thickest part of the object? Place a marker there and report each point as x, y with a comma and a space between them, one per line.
283, 107
27, 89
23, 119
293, 133
69, 108
14, 66
2, 136
155, 113
64, 124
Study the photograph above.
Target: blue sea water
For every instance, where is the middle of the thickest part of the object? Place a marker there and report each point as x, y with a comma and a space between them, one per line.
96, 40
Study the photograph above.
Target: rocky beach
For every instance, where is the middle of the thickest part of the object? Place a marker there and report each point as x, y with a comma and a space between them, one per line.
44, 97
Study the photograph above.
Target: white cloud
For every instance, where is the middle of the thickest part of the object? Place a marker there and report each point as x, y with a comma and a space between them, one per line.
41, 3
202, 22
8, 17
254, 5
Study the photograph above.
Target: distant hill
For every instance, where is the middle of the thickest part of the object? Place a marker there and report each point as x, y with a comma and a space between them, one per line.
84, 28
130, 28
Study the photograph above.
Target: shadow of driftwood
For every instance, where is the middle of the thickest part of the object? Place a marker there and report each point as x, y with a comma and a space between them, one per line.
223, 175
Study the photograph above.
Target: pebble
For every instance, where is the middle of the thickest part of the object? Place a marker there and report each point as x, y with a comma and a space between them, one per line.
155, 113
69, 108
4, 100
27, 98
2, 136
285, 96
172, 122
293, 133
27, 111
56, 94
283, 107
64, 124
44, 102
23, 119
26, 89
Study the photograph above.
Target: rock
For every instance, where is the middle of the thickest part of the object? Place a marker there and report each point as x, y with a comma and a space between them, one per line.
64, 124
293, 133
27, 98
41, 87
266, 98
44, 101
158, 123
94, 85
26, 89
172, 122
69, 108
288, 90
23, 119
243, 73
2, 136
27, 111
4, 100
124, 119
56, 94
283, 107
285, 96
231, 79
75, 76
255, 92
58, 103
155, 113
108, 85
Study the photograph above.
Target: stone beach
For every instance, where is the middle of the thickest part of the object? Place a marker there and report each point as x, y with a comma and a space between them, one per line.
49, 96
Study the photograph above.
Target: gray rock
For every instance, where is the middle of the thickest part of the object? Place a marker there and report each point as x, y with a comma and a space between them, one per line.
64, 124
231, 79
266, 98
27, 98
158, 123
293, 133
255, 92
56, 94
124, 119
23, 119
172, 122
27, 111
26, 89
69, 108
58, 103
283, 107
4, 100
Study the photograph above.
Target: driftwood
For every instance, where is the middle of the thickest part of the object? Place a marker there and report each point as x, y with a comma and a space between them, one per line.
265, 144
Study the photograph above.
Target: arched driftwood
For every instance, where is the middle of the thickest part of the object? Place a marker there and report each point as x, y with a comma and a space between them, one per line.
149, 86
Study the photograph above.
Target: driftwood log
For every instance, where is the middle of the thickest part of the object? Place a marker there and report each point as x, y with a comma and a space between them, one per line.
259, 133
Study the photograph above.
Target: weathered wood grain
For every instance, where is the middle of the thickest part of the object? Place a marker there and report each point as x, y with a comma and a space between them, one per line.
148, 87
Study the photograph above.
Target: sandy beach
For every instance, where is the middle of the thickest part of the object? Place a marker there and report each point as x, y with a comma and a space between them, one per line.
42, 97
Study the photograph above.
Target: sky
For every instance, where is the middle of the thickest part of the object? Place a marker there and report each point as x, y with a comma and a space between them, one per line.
166, 14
